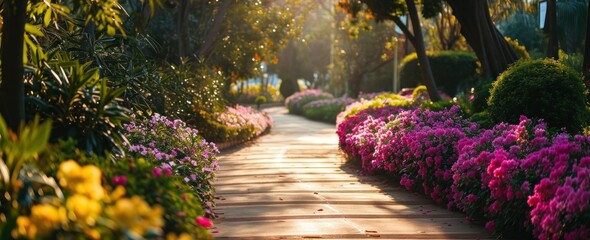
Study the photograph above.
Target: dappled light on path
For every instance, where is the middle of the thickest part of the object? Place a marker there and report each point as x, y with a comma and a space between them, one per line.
293, 183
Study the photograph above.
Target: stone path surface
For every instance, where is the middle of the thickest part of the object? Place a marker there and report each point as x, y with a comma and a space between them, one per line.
292, 184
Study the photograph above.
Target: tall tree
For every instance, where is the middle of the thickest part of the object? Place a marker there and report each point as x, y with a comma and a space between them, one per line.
492, 50
392, 10
551, 29
12, 91
586, 63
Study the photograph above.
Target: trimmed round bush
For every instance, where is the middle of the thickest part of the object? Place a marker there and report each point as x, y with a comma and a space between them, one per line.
451, 69
542, 88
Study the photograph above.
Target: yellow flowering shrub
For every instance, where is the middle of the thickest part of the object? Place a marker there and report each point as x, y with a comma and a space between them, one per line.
90, 210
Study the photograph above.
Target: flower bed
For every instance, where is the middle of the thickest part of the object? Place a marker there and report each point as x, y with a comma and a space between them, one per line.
512, 177
176, 148
235, 125
296, 101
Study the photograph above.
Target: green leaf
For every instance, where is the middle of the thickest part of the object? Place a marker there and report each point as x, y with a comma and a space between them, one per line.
33, 29
35, 137
47, 18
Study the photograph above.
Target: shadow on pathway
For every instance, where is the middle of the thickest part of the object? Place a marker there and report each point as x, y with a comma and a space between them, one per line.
291, 184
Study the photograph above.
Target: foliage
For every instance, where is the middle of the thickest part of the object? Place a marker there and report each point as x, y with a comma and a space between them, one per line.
79, 102
326, 110
260, 100
249, 94
573, 60
297, 101
522, 27
519, 49
481, 94
452, 70
540, 89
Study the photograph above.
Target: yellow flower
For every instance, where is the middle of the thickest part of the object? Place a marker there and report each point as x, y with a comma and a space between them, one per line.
83, 209
182, 236
81, 180
116, 194
24, 228
46, 218
68, 173
135, 215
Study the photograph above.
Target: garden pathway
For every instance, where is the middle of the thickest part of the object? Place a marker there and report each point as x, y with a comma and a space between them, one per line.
292, 183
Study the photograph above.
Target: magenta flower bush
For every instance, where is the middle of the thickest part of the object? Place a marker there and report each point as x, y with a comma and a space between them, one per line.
420, 146
349, 128
512, 177
561, 200
178, 149
296, 101
493, 178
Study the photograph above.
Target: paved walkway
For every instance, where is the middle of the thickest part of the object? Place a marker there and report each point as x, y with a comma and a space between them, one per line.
292, 184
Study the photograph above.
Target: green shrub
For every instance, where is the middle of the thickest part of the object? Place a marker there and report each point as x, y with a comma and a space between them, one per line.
260, 100
79, 102
484, 119
326, 110
481, 94
451, 70
541, 88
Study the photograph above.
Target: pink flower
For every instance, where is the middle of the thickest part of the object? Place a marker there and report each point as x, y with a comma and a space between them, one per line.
168, 171
204, 222
157, 172
119, 180
491, 226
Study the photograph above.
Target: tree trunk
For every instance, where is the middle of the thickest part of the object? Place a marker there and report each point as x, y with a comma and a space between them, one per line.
213, 32
492, 50
354, 84
427, 77
551, 29
12, 93
586, 63
183, 36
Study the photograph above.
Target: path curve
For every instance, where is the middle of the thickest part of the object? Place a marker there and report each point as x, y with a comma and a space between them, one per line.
292, 184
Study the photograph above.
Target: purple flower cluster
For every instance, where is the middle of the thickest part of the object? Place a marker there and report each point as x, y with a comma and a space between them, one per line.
178, 148
241, 117
513, 176
340, 102
296, 101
